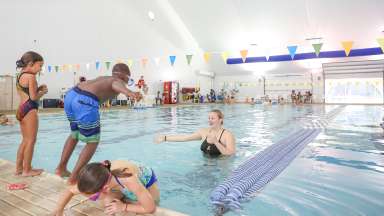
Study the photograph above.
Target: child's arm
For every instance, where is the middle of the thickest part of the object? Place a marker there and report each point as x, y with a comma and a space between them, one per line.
145, 203
34, 92
119, 86
64, 199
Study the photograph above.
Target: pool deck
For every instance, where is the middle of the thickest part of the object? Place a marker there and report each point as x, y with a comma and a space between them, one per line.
42, 193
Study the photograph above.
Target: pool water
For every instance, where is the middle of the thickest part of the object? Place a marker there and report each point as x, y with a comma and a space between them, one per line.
340, 173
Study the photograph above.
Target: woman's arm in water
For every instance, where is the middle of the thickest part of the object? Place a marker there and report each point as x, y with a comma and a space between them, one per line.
198, 135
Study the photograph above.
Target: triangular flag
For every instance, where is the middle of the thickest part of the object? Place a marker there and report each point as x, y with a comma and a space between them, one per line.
49, 68
130, 62
56, 68
207, 56
77, 67
119, 61
65, 68
69, 67
292, 51
347, 46
97, 65
144, 62
172, 59
317, 48
244, 54
87, 66
189, 58
224, 56
107, 64
381, 43
157, 61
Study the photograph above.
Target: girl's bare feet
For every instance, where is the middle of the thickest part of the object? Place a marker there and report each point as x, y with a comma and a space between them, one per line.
32, 172
18, 171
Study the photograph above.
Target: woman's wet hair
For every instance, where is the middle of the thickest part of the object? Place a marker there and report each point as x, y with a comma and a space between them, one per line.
122, 68
219, 114
94, 176
27, 58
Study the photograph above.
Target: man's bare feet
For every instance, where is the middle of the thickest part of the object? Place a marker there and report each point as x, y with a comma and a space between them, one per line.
62, 173
32, 172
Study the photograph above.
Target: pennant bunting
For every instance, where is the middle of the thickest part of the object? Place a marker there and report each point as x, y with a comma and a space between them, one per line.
224, 56
189, 58
77, 66
381, 43
56, 68
107, 64
172, 59
347, 45
207, 56
97, 65
130, 62
244, 54
144, 62
49, 68
88, 66
292, 51
157, 61
317, 48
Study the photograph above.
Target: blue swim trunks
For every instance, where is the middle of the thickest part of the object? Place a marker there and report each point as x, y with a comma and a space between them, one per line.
82, 110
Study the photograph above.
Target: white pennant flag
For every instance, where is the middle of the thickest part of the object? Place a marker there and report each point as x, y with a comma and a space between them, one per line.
157, 61
87, 66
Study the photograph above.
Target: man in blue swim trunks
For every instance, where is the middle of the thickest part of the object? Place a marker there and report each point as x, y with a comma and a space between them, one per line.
81, 106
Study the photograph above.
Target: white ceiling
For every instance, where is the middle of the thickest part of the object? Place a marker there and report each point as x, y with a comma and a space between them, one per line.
220, 25
232, 25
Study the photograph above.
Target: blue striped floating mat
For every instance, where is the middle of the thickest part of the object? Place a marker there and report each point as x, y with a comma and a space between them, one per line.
251, 176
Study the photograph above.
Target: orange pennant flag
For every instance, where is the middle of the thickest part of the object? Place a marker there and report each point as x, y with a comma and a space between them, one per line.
347, 46
207, 56
144, 62
77, 67
244, 54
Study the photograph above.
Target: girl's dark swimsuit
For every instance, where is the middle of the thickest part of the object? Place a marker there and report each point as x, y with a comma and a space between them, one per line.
211, 149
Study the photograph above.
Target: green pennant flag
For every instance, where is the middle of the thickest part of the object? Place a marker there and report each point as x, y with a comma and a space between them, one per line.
317, 48
107, 64
56, 68
189, 58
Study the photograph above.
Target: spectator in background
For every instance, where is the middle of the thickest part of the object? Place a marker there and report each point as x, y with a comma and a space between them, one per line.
159, 99
141, 82
82, 79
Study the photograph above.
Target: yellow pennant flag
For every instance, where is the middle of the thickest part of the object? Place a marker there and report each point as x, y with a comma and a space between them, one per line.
347, 46
130, 62
207, 56
119, 61
224, 56
381, 43
244, 54
65, 68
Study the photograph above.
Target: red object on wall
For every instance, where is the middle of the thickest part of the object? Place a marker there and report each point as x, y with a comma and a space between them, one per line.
171, 92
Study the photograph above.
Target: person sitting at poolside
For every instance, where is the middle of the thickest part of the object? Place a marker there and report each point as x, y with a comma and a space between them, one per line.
122, 185
4, 120
216, 140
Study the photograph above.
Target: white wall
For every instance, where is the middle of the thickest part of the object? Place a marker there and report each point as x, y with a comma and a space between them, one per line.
80, 32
